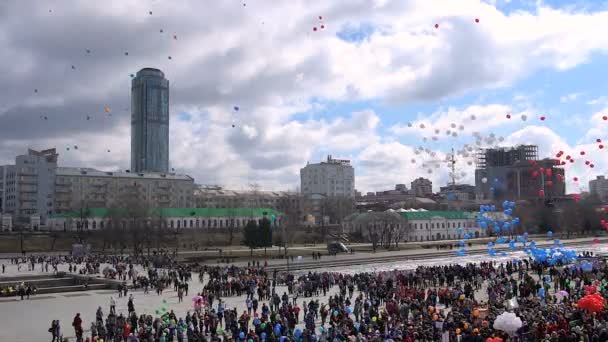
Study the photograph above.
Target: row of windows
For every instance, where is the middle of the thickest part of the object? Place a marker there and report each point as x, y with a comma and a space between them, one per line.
215, 223
443, 225
441, 237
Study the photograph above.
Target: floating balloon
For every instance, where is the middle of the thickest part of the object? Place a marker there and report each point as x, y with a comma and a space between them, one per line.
476, 20
436, 26
507, 322
592, 302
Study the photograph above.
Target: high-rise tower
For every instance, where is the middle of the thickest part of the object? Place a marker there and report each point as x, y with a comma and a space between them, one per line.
150, 121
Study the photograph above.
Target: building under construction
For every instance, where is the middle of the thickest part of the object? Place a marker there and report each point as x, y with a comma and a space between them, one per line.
517, 174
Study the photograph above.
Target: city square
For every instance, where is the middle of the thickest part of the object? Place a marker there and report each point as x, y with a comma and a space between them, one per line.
303, 171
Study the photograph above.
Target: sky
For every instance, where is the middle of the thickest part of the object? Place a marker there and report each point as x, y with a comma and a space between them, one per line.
392, 85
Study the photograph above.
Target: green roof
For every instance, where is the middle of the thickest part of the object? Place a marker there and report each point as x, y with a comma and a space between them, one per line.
179, 212
427, 215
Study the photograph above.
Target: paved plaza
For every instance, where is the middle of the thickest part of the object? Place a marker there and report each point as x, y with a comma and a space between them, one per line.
28, 320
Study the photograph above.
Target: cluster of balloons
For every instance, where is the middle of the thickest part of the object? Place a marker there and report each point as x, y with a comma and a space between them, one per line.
508, 322
592, 302
321, 24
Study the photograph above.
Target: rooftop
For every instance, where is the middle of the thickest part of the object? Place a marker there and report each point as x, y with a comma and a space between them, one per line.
89, 172
427, 215
177, 212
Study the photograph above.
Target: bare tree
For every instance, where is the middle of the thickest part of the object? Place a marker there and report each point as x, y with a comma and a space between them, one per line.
384, 228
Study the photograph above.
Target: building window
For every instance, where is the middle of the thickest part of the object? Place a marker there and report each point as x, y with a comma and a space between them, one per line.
94, 225
214, 223
179, 223
197, 223
185, 224
101, 224
432, 226
191, 224
443, 225
221, 222
171, 223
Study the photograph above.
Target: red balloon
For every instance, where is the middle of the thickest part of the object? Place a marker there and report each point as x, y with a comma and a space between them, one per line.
596, 240
322, 26
568, 157
592, 302
541, 170
535, 174
582, 153
436, 25
587, 162
314, 28
476, 20
575, 179
320, 18
549, 183
541, 193
598, 140
591, 165
542, 118
572, 160
605, 117
549, 172
563, 163
601, 146
508, 116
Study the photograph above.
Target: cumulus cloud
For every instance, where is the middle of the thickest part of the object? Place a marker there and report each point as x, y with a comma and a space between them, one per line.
67, 60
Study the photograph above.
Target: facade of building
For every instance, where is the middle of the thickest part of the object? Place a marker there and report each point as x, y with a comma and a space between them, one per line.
599, 188
441, 225
150, 122
517, 174
28, 187
328, 183
421, 225
171, 218
332, 178
79, 188
421, 187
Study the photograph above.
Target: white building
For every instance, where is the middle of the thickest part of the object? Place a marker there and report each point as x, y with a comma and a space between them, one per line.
599, 187
423, 225
172, 218
441, 225
28, 186
332, 178
90, 188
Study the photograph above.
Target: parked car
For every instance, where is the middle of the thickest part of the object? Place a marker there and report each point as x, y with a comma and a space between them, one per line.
336, 247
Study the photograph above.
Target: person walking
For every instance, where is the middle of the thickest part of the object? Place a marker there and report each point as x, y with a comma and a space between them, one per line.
112, 305
77, 324
55, 331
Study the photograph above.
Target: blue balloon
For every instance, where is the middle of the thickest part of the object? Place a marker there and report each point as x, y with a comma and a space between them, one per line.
549, 233
541, 292
348, 311
461, 243
490, 244
236, 108
503, 254
242, 335
297, 333
263, 335
282, 339
461, 252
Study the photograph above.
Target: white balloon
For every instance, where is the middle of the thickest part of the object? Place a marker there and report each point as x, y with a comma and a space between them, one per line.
484, 180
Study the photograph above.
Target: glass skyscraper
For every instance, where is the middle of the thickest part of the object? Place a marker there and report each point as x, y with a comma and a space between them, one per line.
149, 121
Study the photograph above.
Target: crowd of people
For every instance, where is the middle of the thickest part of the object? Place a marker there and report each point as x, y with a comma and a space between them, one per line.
439, 303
